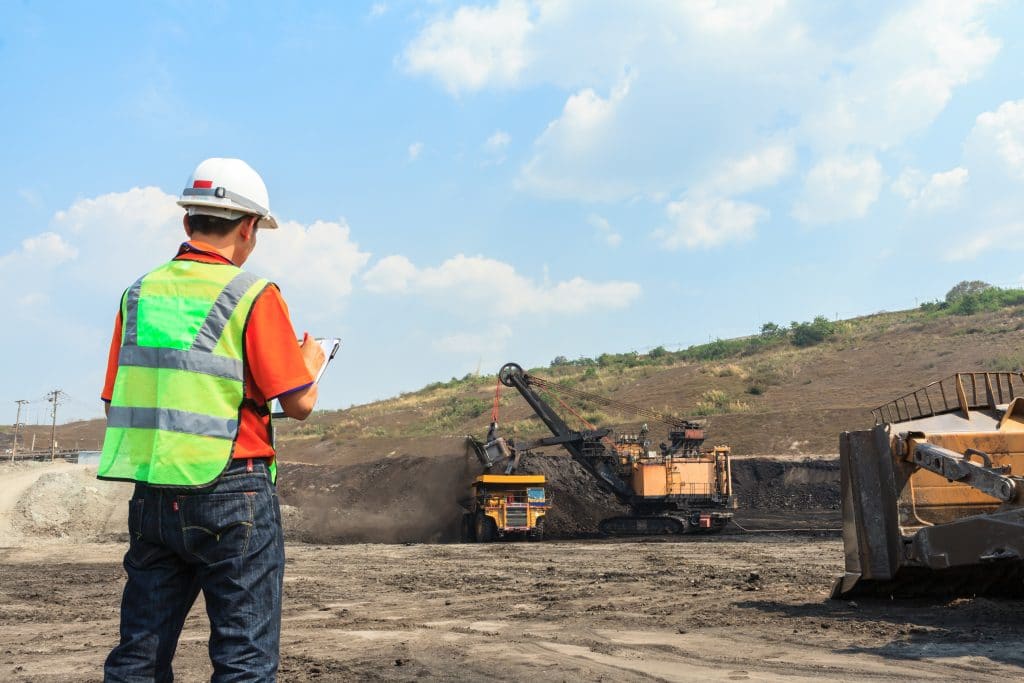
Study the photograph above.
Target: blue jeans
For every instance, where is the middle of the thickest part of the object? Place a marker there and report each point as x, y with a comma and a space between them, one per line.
224, 540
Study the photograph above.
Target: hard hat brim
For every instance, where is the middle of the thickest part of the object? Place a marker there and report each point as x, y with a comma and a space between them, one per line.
266, 222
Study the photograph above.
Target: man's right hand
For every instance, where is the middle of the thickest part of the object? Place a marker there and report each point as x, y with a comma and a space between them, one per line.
312, 354
299, 404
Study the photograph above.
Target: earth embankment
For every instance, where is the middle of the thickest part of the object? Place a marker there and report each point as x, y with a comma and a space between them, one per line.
402, 499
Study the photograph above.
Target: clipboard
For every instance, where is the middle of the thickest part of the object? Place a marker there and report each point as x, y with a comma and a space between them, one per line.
330, 345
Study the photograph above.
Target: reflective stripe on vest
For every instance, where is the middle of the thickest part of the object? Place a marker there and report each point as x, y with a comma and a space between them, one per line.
174, 414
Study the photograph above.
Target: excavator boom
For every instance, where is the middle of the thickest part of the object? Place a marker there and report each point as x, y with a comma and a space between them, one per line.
679, 490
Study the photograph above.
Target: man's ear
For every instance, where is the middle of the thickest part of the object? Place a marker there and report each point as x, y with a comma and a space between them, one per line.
248, 227
188, 228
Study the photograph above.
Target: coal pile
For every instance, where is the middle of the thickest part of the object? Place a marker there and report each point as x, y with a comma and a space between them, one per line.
773, 485
578, 505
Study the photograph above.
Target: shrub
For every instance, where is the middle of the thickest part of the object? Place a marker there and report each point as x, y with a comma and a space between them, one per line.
814, 332
716, 401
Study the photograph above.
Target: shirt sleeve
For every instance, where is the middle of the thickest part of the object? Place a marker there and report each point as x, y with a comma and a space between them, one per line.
115, 348
272, 351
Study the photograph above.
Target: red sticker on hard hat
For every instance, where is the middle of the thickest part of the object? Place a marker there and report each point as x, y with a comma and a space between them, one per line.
202, 184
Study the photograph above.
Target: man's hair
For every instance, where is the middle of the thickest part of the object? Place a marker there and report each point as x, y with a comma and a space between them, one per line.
213, 225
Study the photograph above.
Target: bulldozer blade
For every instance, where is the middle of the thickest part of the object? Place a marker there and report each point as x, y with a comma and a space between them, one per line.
891, 553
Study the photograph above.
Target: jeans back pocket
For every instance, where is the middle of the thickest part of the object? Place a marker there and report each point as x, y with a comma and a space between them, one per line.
217, 526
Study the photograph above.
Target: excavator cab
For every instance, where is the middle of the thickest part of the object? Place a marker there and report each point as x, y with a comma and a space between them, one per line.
933, 495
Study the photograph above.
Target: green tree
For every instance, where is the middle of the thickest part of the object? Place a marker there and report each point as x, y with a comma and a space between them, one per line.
966, 288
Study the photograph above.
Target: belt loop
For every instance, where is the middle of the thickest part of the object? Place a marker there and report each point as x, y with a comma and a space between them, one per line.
248, 465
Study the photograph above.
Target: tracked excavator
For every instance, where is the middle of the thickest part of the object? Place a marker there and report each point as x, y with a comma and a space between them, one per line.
933, 494
679, 488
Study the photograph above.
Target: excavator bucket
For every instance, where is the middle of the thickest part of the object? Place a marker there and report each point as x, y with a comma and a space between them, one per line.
933, 495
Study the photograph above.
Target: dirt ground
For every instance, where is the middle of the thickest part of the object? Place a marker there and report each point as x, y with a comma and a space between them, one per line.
730, 607
725, 608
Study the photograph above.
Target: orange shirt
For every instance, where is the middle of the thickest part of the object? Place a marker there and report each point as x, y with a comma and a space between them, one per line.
273, 362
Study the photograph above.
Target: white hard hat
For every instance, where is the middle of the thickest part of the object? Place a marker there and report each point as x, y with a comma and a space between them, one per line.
228, 188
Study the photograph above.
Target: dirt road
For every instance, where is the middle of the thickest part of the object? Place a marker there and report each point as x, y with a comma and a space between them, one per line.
749, 608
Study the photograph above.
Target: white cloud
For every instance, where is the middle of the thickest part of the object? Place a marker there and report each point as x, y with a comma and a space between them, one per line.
477, 343
704, 222
569, 141
997, 139
494, 147
33, 300
836, 80
938, 191
497, 142
414, 151
44, 250
1002, 237
707, 217
474, 47
390, 274
141, 225
762, 168
838, 189
464, 280
30, 196
49, 248
899, 80
378, 9
605, 230
314, 265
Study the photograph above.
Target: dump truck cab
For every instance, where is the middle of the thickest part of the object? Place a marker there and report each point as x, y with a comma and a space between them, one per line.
507, 506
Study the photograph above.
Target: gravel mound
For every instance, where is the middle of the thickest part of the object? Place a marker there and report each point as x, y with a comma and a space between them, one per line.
73, 506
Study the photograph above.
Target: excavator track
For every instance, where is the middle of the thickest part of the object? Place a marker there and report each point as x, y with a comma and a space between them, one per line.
661, 525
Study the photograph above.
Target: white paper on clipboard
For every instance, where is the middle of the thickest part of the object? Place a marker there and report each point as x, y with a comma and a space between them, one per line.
330, 345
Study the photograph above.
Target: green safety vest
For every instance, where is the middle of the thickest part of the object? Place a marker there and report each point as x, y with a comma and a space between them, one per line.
180, 385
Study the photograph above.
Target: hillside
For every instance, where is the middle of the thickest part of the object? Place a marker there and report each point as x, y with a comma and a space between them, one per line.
761, 396
779, 399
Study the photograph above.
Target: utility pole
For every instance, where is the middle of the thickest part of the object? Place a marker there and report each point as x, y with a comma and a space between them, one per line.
17, 423
54, 398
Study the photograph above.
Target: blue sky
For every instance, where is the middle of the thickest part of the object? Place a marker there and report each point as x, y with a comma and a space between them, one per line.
465, 184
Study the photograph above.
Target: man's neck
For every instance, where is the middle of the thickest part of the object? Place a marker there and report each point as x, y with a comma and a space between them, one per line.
225, 246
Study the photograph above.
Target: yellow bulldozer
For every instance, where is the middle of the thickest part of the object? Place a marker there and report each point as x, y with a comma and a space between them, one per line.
933, 494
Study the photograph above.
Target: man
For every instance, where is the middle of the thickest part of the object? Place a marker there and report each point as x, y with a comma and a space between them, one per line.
199, 349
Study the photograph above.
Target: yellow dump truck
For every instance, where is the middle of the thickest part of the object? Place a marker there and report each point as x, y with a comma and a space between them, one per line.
506, 506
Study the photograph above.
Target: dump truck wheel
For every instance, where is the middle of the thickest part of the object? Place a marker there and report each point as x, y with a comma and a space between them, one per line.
537, 533
468, 532
484, 528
